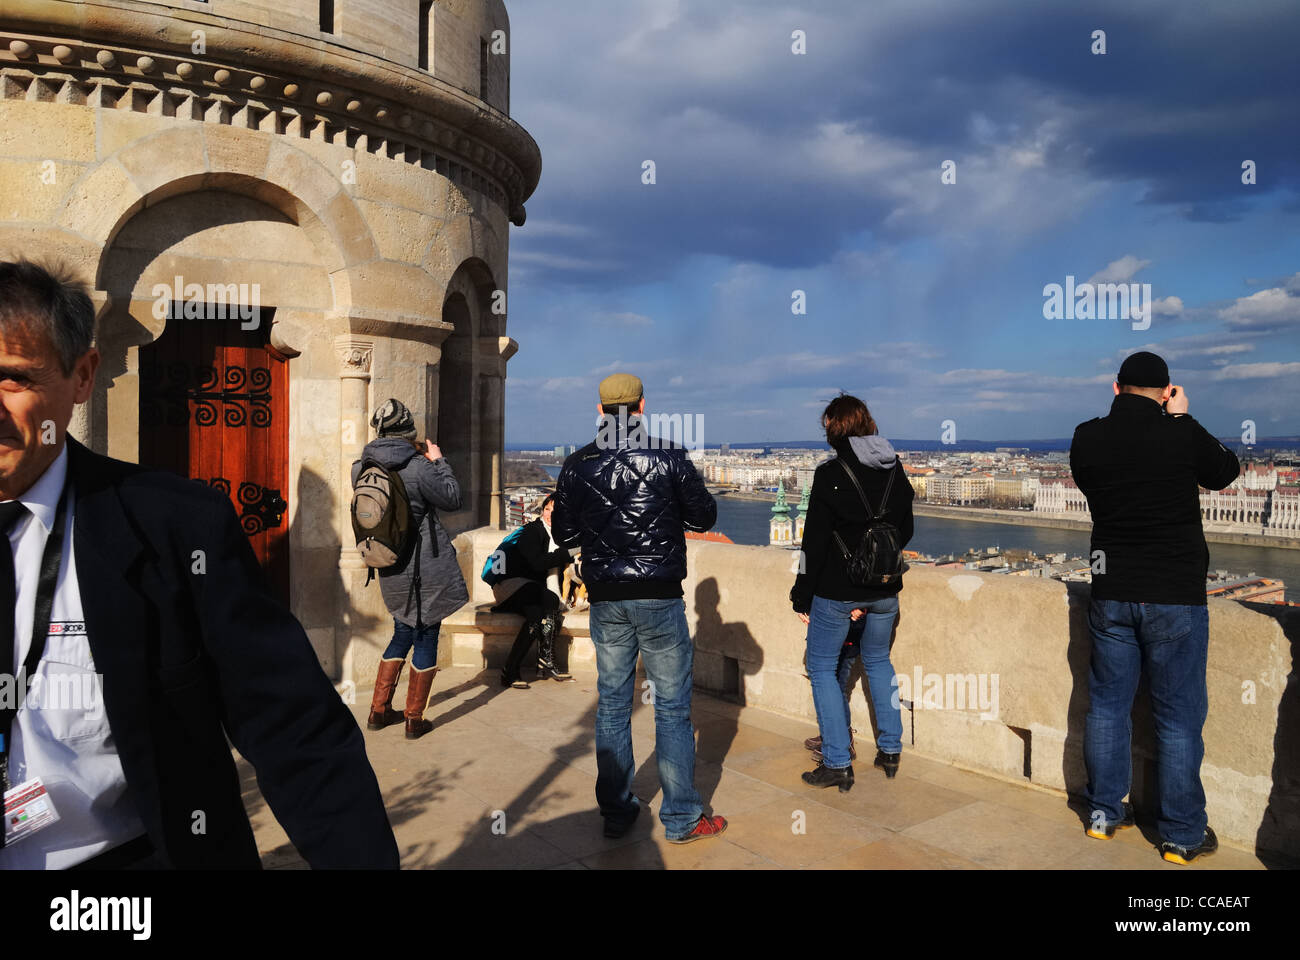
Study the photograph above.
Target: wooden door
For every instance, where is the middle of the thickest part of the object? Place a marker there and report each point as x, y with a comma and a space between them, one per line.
214, 407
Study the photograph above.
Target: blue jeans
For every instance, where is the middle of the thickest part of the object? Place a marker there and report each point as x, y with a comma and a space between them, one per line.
829, 626
425, 642
849, 653
1171, 642
657, 630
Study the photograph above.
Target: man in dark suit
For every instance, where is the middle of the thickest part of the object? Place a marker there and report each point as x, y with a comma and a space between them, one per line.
143, 584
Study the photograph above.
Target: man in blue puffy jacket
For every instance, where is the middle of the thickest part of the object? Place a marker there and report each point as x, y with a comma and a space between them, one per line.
627, 499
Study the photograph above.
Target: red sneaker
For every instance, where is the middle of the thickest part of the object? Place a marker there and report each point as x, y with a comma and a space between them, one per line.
705, 827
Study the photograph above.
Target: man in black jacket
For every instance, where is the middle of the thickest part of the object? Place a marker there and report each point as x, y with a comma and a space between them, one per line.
627, 499
524, 562
1141, 468
155, 599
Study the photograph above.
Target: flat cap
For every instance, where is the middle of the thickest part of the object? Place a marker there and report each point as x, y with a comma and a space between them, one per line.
620, 390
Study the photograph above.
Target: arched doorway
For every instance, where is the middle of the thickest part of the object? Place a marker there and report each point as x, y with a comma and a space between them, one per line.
214, 405
203, 380
457, 410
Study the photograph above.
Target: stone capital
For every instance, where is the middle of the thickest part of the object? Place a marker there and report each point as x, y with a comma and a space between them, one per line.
354, 357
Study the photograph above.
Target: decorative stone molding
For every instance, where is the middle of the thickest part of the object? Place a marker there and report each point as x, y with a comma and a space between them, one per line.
340, 96
354, 358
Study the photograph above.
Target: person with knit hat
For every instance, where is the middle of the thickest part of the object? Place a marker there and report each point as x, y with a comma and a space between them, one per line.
1141, 468
425, 586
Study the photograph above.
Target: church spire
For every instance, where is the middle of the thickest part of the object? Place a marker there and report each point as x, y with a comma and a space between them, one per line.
780, 506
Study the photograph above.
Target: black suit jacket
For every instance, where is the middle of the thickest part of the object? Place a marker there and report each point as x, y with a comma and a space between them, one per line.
192, 648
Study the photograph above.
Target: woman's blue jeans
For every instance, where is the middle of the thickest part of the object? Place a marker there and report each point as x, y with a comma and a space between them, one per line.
829, 624
425, 642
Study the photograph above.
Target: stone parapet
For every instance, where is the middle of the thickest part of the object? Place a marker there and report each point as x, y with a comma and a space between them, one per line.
996, 678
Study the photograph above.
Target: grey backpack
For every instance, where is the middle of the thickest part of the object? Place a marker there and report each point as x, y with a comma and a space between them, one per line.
381, 516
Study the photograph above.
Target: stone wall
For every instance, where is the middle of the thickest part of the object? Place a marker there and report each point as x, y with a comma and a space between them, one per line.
369, 203
1030, 637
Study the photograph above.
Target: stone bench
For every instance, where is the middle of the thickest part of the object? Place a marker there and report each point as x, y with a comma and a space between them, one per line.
481, 638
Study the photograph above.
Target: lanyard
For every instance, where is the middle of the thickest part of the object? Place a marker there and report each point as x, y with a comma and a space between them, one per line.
45, 586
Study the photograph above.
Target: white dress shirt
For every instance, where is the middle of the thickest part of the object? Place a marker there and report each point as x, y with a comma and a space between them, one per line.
61, 733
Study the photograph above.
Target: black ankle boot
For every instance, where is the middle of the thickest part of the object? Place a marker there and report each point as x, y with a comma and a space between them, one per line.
824, 776
888, 762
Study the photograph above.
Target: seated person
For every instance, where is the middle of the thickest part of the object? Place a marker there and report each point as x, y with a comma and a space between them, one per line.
526, 560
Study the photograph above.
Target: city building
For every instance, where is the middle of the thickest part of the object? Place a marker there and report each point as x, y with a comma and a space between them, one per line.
1284, 517
281, 227
1061, 498
961, 489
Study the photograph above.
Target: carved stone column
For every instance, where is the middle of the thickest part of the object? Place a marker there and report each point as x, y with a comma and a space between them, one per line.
354, 418
493, 354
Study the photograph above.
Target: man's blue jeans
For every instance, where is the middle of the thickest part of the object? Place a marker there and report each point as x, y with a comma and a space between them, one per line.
620, 629
1171, 642
829, 625
425, 643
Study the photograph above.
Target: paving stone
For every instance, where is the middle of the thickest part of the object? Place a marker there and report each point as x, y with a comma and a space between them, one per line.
797, 831
896, 853
525, 762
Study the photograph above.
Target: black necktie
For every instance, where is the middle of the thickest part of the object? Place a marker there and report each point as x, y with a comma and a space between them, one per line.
11, 511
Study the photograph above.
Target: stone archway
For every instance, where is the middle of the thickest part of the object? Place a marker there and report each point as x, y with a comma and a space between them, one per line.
471, 392
458, 427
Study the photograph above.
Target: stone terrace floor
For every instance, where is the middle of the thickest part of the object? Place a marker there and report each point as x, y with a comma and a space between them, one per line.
525, 760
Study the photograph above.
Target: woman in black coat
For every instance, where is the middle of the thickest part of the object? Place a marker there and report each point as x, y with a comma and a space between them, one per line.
828, 601
526, 560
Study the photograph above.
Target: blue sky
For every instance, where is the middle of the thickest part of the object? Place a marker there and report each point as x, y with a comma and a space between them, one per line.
821, 172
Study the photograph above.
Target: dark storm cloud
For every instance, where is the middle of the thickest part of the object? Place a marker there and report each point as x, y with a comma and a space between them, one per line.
775, 158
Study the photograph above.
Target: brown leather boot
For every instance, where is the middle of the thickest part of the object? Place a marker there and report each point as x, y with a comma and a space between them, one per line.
418, 685
382, 713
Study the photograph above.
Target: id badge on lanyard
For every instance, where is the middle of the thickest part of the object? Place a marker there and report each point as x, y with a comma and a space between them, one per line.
28, 806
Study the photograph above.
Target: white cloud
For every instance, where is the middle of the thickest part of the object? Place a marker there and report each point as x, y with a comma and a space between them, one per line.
1257, 371
1266, 309
1167, 306
1122, 271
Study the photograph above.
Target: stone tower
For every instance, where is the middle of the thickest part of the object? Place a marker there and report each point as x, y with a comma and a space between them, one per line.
781, 529
340, 176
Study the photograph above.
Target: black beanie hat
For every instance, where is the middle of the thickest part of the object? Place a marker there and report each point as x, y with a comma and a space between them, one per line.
1143, 369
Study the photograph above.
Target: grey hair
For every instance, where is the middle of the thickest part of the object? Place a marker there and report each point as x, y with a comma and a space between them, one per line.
49, 298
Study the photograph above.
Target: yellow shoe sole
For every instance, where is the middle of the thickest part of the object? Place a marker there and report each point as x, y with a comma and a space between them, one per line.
1101, 835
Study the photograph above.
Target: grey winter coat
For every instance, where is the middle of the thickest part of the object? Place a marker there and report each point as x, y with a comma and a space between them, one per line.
431, 486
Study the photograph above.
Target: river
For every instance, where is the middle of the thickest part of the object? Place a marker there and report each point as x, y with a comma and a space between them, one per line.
746, 521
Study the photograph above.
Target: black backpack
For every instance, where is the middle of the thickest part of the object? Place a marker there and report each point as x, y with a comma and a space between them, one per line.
878, 559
